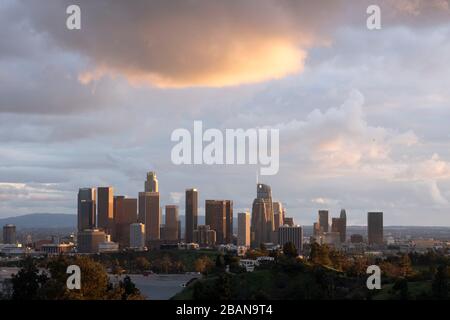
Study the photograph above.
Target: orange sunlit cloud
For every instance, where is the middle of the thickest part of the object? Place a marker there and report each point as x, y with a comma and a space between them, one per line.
240, 63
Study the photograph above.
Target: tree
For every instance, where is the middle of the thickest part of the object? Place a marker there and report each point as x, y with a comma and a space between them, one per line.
130, 292
220, 262
116, 268
203, 264
222, 287
401, 286
94, 281
27, 283
440, 283
142, 264
55, 288
166, 264
290, 250
405, 266
320, 254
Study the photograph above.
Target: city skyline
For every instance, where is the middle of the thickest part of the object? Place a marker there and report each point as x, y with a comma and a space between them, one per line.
362, 114
268, 224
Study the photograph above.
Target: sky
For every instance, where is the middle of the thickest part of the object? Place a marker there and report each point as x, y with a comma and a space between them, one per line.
363, 114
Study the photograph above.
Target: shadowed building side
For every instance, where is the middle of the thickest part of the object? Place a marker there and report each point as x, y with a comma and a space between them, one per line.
191, 212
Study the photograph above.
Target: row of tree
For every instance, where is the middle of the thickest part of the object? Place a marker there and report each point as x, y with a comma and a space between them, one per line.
50, 282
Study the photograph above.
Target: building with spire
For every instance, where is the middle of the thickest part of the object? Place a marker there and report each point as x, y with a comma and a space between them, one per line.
262, 225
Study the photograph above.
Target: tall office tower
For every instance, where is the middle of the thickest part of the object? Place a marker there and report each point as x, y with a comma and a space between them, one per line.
316, 230
105, 209
171, 227
263, 191
289, 221
9, 234
141, 207
86, 208
88, 217
244, 229
343, 230
179, 230
323, 220
152, 216
336, 226
119, 214
151, 184
278, 215
229, 221
191, 212
204, 236
216, 218
89, 239
137, 236
125, 213
375, 227
291, 234
262, 225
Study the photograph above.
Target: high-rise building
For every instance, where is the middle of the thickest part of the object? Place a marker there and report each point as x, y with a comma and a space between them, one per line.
191, 214
88, 240
316, 230
171, 226
137, 236
125, 213
229, 221
151, 184
149, 214
289, 221
336, 226
263, 191
262, 225
343, 230
291, 234
86, 208
375, 227
204, 236
216, 218
105, 208
243, 229
278, 215
323, 220
9, 234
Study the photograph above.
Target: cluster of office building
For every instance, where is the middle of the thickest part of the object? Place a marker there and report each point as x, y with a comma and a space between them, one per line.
108, 221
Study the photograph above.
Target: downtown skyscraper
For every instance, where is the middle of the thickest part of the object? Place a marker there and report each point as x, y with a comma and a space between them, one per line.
149, 208
262, 226
87, 218
191, 212
151, 184
324, 220
243, 229
105, 204
171, 225
219, 217
125, 214
375, 228
343, 229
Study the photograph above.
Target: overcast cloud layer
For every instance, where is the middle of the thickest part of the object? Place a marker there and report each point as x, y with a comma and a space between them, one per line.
363, 115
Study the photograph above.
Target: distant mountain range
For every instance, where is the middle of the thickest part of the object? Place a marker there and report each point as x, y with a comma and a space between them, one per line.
42, 220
